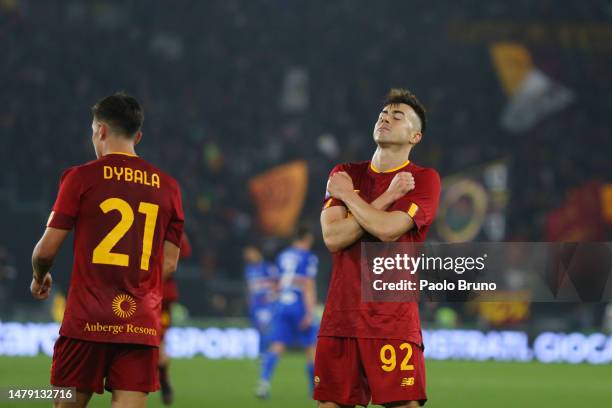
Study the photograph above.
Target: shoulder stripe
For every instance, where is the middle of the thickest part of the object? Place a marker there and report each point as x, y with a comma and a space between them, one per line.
413, 210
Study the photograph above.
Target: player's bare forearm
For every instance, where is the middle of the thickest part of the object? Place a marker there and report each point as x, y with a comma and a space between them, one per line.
339, 233
343, 232
42, 261
171, 256
383, 201
386, 226
43, 256
40, 267
45, 251
168, 270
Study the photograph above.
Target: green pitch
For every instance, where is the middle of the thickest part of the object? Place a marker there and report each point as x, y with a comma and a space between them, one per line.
201, 382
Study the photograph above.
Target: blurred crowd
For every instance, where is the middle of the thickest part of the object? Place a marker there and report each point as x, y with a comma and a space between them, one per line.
231, 88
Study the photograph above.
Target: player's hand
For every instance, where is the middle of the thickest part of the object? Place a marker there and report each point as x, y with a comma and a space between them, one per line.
339, 185
401, 184
306, 321
41, 290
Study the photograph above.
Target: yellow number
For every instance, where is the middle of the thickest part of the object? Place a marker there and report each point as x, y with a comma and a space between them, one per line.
405, 366
102, 253
390, 362
150, 212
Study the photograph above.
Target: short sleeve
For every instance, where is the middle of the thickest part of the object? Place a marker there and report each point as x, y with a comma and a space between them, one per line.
421, 204
330, 201
312, 265
174, 232
66, 207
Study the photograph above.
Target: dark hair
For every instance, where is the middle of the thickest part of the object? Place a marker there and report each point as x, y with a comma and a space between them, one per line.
301, 232
399, 95
121, 112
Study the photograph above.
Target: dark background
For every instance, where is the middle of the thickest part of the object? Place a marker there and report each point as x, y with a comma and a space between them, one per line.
210, 76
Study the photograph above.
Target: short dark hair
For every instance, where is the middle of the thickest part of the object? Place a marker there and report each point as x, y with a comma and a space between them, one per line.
121, 111
302, 231
399, 95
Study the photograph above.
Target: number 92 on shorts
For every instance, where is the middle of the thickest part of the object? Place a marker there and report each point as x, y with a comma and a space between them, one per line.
353, 371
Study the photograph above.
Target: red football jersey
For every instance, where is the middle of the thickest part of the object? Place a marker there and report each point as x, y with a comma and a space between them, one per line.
122, 209
343, 317
170, 291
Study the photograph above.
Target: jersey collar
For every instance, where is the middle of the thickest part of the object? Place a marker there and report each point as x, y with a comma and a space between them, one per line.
124, 154
375, 170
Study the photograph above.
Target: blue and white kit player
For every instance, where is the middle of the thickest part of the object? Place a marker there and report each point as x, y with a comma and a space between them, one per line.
293, 322
262, 285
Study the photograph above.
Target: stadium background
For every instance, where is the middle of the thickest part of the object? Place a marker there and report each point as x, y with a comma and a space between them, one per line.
518, 103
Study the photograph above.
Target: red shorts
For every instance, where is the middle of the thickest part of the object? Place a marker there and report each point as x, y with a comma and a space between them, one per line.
91, 367
351, 371
166, 317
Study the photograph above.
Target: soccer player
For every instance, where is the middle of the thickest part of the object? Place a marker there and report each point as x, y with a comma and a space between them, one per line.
374, 351
262, 284
128, 222
293, 318
169, 296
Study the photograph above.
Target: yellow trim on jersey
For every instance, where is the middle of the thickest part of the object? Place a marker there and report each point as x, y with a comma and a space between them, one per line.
329, 201
125, 154
50, 218
413, 210
390, 170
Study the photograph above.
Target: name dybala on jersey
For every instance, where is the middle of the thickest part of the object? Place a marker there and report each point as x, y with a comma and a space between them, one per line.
343, 316
122, 210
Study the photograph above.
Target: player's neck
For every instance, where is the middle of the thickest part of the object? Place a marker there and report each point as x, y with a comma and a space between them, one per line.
387, 158
125, 148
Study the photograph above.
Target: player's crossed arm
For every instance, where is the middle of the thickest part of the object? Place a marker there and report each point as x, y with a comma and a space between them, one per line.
386, 226
340, 231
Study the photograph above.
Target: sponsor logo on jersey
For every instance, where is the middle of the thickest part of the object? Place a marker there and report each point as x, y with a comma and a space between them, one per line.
97, 327
124, 306
407, 382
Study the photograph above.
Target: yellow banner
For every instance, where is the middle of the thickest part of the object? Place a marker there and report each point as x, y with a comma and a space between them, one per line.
279, 196
504, 312
513, 63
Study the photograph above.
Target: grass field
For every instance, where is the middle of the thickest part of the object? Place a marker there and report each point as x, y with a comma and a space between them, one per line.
227, 383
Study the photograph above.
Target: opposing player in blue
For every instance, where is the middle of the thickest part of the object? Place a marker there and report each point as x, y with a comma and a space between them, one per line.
293, 319
262, 284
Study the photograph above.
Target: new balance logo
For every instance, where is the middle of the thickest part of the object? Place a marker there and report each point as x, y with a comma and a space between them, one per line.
407, 382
